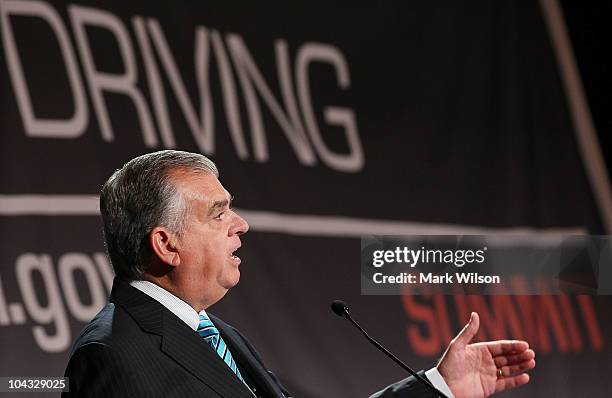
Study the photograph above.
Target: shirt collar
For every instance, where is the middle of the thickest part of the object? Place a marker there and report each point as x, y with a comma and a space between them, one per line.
174, 304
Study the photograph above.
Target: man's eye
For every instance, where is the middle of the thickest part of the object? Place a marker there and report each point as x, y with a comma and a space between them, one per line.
220, 216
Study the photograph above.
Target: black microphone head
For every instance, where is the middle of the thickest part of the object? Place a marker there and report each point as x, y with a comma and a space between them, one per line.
340, 308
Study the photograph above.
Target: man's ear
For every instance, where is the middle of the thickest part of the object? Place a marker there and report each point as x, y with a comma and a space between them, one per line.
164, 245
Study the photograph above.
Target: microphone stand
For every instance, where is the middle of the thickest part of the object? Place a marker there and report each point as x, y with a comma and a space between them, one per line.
341, 309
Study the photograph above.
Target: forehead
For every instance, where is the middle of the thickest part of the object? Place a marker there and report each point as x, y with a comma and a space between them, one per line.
199, 186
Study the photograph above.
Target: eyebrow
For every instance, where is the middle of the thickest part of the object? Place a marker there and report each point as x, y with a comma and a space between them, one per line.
220, 204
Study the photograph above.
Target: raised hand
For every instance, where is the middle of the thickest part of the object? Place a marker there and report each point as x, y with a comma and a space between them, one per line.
481, 369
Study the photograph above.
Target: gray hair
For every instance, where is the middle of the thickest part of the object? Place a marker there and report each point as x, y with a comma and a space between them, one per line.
139, 197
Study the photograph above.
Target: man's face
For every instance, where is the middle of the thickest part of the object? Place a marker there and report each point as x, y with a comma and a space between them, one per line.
208, 266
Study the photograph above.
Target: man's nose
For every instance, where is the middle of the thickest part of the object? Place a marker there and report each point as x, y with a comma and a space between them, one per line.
240, 225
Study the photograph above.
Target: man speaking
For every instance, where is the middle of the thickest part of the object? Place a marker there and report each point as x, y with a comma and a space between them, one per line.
171, 235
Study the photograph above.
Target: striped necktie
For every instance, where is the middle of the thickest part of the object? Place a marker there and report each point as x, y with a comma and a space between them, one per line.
208, 331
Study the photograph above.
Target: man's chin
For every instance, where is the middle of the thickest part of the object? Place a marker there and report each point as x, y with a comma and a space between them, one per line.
231, 281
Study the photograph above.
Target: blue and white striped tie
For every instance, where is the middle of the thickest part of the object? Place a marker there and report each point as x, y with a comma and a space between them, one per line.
211, 335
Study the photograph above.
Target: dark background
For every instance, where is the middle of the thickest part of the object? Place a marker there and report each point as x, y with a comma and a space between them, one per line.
464, 124
591, 34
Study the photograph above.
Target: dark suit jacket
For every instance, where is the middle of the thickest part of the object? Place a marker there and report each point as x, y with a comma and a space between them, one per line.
135, 347
406, 388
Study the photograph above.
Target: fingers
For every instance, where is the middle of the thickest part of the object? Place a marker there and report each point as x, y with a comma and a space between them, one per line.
512, 370
468, 332
505, 347
507, 383
504, 360
514, 375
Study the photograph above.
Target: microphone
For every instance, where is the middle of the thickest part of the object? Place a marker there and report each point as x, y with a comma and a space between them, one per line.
341, 309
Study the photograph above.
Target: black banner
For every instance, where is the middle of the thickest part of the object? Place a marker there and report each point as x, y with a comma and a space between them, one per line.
327, 123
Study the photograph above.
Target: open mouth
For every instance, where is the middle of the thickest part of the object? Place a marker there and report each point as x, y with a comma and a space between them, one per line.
233, 255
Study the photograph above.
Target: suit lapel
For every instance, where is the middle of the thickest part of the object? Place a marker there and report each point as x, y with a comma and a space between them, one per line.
179, 341
247, 361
